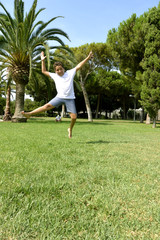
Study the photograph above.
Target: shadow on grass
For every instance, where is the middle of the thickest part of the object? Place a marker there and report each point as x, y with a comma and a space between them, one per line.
98, 142
93, 123
42, 120
66, 120
104, 142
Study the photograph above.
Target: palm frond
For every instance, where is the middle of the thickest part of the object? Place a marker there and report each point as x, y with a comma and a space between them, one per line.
34, 5
20, 37
39, 11
57, 39
35, 26
10, 20
3, 53
29, 20
47, 55
43, 26
2, 40
54, 31
30, 65
7, 31
36, 42
19, 10
63, 48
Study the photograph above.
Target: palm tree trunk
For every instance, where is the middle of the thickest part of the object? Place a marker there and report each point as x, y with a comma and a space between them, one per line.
7, 114
88, 107
20, 90
148, 120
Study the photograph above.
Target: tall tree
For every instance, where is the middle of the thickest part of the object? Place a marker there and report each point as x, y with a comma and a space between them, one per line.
116, 87
21, 41
102, 59
128, 45
151, 64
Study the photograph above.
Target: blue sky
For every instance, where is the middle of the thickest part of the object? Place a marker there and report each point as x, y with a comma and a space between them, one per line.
87, 21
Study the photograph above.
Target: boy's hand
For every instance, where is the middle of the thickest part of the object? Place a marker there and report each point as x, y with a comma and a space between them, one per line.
90, 56
42, 56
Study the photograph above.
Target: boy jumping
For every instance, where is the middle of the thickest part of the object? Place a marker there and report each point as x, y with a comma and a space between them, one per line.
65, 90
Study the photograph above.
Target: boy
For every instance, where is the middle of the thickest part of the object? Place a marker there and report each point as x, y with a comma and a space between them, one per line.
65, 90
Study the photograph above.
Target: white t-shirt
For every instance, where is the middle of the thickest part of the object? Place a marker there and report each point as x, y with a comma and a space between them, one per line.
64, 84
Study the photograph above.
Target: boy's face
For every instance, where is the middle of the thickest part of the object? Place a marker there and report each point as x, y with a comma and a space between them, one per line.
59, 70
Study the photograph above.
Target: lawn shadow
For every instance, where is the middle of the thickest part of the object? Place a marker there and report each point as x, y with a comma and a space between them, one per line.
105, 142
66, 120
93, 123
42, 120
98, 142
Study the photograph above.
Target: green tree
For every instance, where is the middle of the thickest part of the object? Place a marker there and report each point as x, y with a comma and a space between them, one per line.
151, 64
21, 41
102, 59
127, 43
115, 87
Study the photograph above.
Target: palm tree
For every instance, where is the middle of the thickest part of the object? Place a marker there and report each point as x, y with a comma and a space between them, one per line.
21, 41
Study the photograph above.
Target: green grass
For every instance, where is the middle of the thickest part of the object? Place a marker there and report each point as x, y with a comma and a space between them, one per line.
104, 183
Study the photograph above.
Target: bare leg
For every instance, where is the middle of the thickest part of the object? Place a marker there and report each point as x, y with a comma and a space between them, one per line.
73, 120
44, 108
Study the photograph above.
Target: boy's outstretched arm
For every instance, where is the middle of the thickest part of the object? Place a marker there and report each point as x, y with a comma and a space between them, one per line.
84, 61
43, 65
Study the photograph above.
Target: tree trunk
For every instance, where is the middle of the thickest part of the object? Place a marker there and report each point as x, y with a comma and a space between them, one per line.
98, 103
148, 120
88, 107
7, 114
142, 115
20, 90
124, 116
154, 123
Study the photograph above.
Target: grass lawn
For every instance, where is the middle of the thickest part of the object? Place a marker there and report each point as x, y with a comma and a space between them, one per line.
104, 183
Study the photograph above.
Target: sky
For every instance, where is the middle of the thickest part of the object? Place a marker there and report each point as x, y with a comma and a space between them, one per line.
86, 21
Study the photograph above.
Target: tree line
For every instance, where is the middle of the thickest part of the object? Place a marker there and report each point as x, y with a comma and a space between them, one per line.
127, 64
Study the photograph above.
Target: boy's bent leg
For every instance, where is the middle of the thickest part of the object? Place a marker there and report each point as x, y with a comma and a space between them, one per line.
73, 120
44, 108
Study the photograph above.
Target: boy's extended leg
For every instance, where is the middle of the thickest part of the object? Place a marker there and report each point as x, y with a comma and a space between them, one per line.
73, 120
44, 108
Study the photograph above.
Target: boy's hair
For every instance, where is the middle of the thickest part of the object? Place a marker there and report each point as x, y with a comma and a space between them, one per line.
57, 64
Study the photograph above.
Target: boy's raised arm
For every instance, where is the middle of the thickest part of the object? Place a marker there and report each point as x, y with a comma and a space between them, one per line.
84, 61
43, 65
